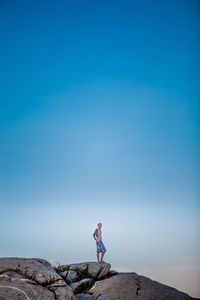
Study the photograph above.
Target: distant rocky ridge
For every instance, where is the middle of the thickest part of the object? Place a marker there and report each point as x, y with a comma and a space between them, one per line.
37, 279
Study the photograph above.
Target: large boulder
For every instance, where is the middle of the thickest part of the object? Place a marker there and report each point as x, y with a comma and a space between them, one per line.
40, 272
130, 286
87, 269
22, 289
35, 279
105, 270
94, 270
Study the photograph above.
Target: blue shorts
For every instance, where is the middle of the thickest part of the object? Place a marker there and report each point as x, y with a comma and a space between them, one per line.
100, 247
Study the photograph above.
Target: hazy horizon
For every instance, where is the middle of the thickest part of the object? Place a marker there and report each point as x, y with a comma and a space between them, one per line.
99, 122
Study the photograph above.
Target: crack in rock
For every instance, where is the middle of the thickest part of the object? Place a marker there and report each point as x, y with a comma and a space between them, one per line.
102, 296
138, 284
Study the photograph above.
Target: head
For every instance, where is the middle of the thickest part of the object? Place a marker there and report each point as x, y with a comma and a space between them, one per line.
99, 225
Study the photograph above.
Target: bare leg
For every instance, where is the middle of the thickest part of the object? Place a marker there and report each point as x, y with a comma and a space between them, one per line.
98, 256
102, 255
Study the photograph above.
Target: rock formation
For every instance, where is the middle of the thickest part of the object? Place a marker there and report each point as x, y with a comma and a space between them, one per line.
36, 279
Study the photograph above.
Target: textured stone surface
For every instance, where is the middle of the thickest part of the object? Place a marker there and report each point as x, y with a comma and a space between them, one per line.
130, 286
35, 279
80, 266
111, 273
30, 268
105, 269
82, 297
80, 286
63, 274
88, 269
72, 276
23, 289
94, 269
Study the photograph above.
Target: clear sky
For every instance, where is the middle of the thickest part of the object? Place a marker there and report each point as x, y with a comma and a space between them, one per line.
99, 122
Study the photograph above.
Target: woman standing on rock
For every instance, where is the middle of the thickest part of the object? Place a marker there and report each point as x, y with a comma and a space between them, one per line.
100, 246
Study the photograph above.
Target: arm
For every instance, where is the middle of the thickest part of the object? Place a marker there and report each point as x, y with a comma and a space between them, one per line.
95, 234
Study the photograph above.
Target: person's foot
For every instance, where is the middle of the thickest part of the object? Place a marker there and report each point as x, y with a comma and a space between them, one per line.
102, 261
99, 261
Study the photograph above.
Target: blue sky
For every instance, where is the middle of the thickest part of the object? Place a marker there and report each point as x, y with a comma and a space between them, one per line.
99, 122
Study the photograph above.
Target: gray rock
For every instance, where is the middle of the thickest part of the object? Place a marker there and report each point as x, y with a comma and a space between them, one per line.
82, 267
20, 288
63, 274
62, 292
43, 261
105, 269
35, 279
61, 268
112, 273
30, 268
94, 269
88, 269
103, 296
80, 286
130, 286
82, 297
72, 276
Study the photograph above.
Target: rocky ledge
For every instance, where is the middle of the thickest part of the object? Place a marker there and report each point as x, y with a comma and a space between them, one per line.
37, 279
